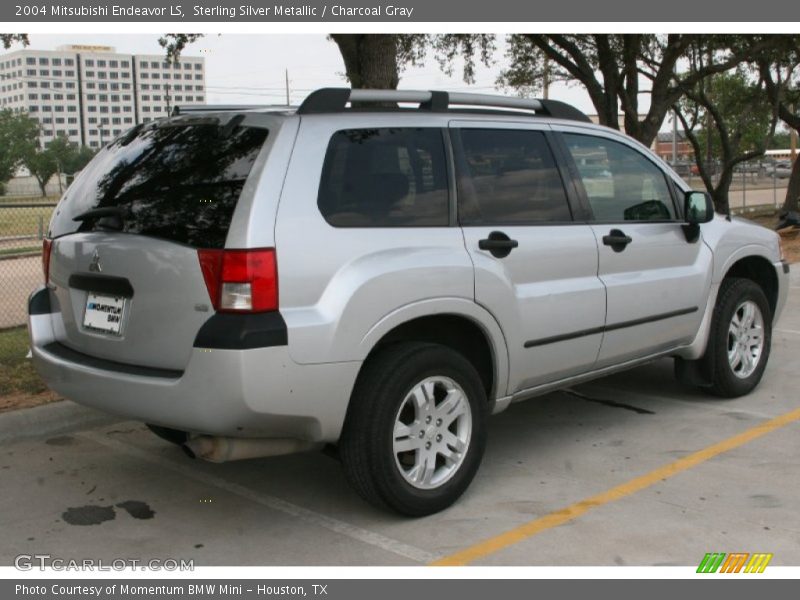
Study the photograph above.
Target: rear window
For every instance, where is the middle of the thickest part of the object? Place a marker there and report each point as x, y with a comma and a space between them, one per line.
385, 178
173, 180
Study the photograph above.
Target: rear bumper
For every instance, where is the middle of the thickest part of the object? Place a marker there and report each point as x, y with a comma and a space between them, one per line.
258, 392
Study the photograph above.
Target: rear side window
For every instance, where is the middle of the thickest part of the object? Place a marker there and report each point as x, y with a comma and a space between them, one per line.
385, 178
620, 183
508, 177
173, 181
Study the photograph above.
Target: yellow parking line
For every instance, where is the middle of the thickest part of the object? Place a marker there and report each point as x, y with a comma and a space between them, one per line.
559, 517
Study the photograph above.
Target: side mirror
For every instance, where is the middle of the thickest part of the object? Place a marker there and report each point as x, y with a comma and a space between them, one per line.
698, 208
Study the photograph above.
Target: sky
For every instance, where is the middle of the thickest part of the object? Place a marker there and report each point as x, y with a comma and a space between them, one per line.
250, 69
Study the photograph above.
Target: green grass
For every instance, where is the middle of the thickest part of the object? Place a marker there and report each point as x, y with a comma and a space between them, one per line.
17, 375
20, 250
23, 221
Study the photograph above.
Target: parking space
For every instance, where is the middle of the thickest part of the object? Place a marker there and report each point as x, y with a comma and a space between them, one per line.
120, 492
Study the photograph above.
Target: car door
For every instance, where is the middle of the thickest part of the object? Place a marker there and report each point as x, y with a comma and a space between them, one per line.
535, 264
656, 280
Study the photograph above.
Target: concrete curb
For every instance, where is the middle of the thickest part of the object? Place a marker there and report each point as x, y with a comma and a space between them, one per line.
49, 420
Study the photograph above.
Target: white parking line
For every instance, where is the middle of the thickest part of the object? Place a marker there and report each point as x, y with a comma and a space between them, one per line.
308, 516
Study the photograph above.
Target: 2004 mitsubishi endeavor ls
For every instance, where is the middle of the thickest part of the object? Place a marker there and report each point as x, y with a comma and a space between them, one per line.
380, 271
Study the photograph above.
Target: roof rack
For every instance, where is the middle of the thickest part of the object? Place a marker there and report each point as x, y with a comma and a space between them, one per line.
203, 108
328, 100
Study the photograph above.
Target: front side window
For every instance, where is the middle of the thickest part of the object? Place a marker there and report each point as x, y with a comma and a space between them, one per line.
508, 177
621, 184
389, 177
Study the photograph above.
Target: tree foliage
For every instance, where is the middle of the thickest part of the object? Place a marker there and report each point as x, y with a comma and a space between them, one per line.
10, 39
42, 165
615, 70
57, 157
18, 135
779, 69
612, 66
377, 60
174, 44
728, 120
736, 121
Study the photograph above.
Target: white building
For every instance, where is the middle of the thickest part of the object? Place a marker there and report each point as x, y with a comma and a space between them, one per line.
91, 94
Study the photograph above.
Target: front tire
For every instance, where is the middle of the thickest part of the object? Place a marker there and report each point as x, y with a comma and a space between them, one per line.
741, 336
416, 428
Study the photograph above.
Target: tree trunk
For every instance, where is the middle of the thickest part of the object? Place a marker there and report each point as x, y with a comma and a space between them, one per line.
609, 115
721, 192
370, 60
793, 190
42, 186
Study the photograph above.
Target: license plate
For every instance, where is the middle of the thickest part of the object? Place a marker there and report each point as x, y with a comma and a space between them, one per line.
104, 313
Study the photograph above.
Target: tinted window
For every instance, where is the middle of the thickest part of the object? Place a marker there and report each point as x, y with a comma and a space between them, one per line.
385, 178
172, 181
508, 176
621, 184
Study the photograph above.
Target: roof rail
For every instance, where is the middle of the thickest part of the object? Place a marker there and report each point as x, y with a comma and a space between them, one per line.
202, 108
327, 100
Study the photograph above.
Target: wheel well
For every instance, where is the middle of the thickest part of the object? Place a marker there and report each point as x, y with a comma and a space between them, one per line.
760, 271
456, 332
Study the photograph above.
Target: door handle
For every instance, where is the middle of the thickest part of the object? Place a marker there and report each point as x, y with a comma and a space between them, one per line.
498, 244
617, 240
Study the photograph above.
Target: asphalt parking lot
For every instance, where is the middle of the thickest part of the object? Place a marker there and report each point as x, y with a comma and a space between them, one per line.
628, 470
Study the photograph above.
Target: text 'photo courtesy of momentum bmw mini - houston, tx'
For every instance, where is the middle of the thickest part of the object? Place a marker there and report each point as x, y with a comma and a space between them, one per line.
378, 280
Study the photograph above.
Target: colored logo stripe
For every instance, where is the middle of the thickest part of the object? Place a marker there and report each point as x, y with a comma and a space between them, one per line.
717, 561
711, 562
734, 562
758, 562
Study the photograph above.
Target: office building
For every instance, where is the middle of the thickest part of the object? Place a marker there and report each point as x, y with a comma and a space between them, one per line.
91, 94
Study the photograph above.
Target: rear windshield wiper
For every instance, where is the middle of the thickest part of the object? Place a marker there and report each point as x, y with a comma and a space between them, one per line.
128, 137
99, 213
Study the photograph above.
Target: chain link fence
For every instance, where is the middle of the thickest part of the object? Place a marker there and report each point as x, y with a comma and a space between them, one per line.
757, 184
23, 223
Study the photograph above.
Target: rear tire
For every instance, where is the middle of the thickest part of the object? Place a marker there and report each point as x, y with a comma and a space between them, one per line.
415, 432
740, 338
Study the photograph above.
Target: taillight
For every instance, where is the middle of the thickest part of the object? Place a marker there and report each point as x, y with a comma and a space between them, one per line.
47, 245
241, 280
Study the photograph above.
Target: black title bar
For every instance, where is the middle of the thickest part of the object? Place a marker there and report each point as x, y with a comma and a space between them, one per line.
408, 11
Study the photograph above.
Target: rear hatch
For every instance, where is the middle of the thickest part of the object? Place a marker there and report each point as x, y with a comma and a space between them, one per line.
124, 268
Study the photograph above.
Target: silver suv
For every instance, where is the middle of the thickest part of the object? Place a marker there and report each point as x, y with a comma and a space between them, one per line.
379, 271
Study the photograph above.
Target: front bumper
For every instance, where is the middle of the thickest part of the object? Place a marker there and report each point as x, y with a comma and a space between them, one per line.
782, 270
259, 392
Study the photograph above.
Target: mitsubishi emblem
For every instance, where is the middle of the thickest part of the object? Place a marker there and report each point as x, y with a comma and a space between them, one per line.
94, 265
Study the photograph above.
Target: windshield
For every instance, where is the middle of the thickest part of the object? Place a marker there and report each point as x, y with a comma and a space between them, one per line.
172, 180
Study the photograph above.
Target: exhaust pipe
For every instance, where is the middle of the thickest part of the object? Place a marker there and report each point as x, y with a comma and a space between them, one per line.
223, 449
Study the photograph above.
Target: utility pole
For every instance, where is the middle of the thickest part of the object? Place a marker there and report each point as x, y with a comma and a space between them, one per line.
167, 98
288, 103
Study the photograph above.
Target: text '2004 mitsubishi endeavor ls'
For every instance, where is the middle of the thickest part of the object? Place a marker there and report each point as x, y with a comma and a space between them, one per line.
380, 271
